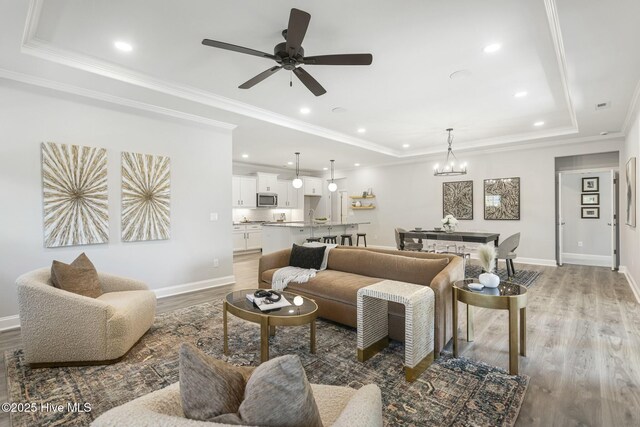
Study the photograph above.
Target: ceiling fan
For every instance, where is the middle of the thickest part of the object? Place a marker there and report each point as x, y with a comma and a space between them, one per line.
290, 55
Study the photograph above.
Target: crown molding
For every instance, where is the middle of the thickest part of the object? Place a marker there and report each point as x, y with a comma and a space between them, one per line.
100, 96
632, 111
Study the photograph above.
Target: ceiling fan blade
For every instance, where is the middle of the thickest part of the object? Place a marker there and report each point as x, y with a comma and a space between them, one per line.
311, 83
239, 49
298, 24
260, 77
346, 59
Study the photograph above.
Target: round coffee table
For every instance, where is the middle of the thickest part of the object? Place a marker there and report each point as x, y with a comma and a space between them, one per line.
507, 296
237, 304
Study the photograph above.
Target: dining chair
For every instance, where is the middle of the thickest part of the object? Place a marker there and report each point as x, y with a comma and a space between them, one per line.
507, 252
409, 244
458, 248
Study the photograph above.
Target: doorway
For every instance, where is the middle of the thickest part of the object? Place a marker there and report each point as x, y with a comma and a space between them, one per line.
588, 218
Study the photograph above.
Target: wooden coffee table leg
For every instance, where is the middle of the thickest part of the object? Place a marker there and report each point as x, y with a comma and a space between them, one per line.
264, 339
513, 337
455, 322
224, 328
313, 336
523, 331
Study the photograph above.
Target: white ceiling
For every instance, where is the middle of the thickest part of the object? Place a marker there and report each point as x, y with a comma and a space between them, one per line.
567, 54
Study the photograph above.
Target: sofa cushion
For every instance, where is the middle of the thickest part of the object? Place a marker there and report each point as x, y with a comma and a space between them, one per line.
79, 277
385, 266
306, 257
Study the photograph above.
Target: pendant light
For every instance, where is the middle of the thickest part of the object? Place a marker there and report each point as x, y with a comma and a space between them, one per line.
449, 168
332, 185
297, 183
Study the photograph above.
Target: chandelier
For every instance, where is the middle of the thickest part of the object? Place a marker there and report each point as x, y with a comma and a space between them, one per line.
451, 165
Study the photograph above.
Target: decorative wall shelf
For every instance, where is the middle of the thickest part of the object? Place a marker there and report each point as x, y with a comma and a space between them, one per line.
358, 208
362, 197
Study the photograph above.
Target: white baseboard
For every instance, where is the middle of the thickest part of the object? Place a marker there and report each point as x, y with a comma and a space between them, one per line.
632, 282
586, 259
10, 322
194, 286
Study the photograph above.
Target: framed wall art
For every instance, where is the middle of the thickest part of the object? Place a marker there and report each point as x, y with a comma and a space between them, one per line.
457, 199
502, 199
74, 193
591, 199
591, 184
590, 213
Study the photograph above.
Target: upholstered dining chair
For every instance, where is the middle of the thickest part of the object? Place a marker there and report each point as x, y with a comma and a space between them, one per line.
507, 252
409, 244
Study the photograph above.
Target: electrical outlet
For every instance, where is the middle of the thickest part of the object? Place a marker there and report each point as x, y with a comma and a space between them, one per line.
579, 244
216, 262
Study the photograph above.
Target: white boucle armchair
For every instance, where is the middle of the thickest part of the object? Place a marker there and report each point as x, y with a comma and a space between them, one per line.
338, 407
63, 328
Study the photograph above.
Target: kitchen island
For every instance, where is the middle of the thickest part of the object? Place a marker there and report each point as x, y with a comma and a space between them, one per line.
282, 235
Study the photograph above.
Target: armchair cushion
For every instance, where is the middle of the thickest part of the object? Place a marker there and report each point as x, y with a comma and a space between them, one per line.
79, 277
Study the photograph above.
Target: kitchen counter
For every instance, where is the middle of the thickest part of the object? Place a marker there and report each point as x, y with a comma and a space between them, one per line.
282, 235
296, 224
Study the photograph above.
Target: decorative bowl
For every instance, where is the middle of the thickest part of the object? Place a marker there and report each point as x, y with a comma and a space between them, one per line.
489, 280
320, 220
418, 228
437, 228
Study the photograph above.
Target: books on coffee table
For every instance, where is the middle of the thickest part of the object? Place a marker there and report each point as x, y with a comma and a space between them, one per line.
264, 305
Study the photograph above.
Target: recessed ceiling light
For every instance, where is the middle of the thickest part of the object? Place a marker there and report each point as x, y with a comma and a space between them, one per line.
325, 169
540, 123
305, 110
123, 46
520, 94
494, 47
361, 130
245, 156
356, 164
406, 145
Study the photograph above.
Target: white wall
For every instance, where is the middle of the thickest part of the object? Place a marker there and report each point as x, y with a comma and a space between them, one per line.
409, 195
200, 184
630, 239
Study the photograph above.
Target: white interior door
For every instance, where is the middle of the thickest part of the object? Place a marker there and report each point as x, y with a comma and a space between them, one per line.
560, 219
613, 222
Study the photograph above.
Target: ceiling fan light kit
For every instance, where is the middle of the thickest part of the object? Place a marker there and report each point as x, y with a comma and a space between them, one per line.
290, 55
450, 168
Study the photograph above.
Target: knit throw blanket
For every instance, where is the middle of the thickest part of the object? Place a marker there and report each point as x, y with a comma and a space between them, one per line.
283, 276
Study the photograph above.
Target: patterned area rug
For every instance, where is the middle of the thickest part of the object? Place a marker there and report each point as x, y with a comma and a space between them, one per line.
526, 278
451, 392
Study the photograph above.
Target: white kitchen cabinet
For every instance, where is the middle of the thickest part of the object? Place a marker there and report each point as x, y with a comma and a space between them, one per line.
267, 182
247, 237
239, 238
254, 240
287, 195
243, 192
312, 186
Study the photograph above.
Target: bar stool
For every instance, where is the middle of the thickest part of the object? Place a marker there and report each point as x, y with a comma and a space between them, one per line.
313, 239
344, 237
330, 239
364, 237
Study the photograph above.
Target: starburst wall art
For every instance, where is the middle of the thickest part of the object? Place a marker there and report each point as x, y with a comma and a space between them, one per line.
146, 194
74, 189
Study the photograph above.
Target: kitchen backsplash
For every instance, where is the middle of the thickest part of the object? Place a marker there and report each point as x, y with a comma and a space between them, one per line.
266, 214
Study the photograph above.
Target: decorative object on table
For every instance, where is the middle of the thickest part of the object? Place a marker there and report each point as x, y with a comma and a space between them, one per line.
447, 393
630, 174
502, 199
332, 185
418, 228
591, 199
74, 194
449, 223
590, 184
590, 213
146, 195
450, 168
320, 220
457, 199
297, 181
437, 228
526, 278
487, 258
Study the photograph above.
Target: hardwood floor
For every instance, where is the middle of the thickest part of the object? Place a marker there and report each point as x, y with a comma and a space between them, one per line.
583, 347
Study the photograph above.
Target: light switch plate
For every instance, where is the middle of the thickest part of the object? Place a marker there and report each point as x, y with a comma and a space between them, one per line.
213, 216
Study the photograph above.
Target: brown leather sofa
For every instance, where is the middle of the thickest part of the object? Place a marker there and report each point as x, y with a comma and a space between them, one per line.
349, 269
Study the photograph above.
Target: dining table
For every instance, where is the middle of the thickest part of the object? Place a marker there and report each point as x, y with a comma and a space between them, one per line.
465, 236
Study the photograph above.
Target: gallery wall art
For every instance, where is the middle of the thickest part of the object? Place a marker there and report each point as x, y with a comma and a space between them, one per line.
502, 199
74, 185
146, 194
631, 192
457, 199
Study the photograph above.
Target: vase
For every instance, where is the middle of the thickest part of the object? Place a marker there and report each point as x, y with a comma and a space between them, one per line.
448, 228
489, 280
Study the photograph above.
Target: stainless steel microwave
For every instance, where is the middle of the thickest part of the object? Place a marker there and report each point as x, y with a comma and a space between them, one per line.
267, 200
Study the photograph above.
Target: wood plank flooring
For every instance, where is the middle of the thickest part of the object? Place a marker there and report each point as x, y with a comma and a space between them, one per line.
583, 347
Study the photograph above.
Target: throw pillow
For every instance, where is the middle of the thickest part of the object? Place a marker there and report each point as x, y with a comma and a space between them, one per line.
325, 259
305, 257
79, 277
209, 387
278, 394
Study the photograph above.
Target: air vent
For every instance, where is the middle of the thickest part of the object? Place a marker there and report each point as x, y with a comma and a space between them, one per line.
603, 105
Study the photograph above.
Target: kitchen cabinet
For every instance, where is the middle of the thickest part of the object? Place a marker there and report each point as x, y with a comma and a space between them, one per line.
267, 182
287, 195
247, 237
243, 191
312, 186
